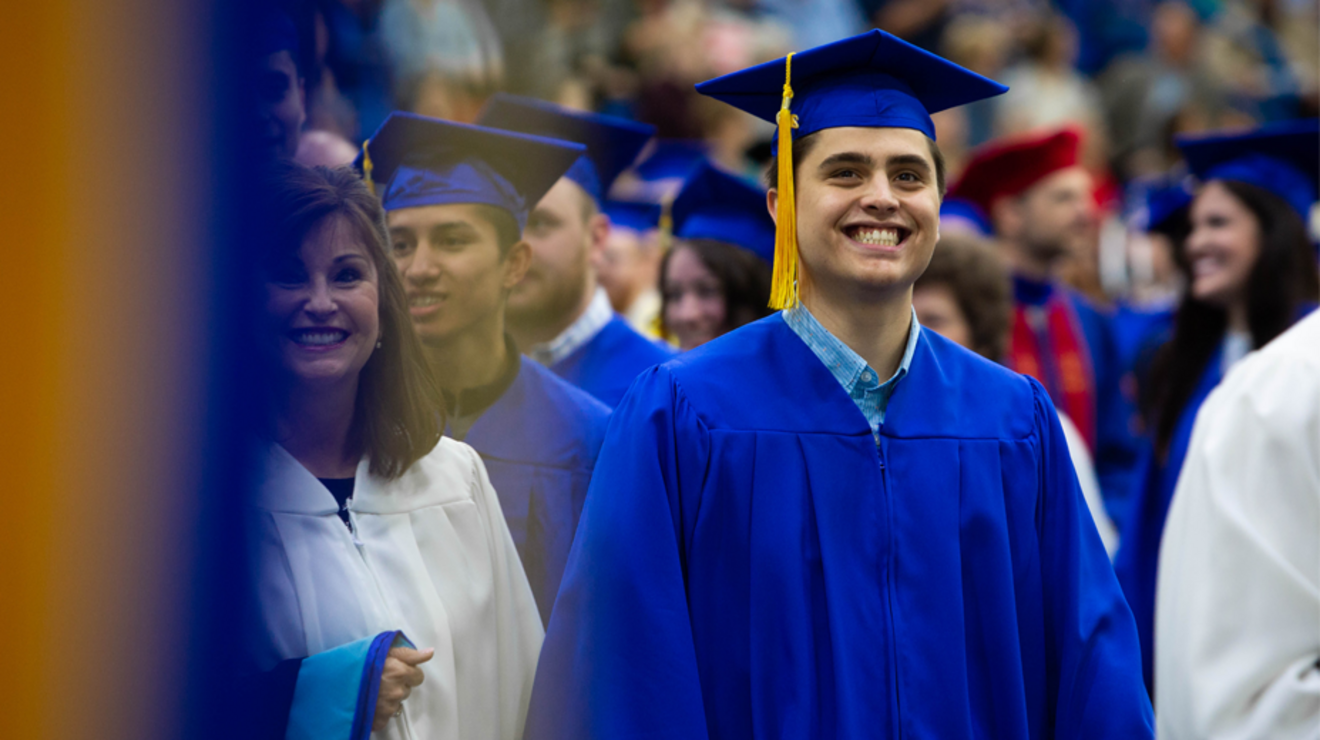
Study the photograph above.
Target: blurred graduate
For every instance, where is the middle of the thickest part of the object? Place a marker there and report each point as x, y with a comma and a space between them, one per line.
628, 266
1038, 201
830, 523
716, 276
1251, 274
558, 313
456, 199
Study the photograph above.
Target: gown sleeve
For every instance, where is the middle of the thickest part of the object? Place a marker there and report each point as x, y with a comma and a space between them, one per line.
619, 658
1090, 630
518, 623
1238, 610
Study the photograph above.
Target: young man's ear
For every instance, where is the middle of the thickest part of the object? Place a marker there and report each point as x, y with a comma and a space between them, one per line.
772, 203
598, 231
516, 262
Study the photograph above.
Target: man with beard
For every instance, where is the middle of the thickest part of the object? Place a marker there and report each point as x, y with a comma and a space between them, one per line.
1039, 201
558, 314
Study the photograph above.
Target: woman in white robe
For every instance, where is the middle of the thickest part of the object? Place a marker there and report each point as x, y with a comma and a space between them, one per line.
1237, 618
417, 544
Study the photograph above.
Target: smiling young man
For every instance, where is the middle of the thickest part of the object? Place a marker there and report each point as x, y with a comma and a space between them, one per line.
456, 200
830, 523
558, 314
1038, 197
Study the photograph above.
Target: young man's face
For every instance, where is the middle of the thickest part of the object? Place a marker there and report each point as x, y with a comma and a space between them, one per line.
868, 205
562, 234
452, 267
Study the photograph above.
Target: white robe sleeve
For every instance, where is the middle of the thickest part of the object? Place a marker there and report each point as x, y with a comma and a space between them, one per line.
1238, 607
519, 627
1095, 503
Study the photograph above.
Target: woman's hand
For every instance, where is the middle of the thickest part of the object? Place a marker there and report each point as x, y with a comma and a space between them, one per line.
397, 681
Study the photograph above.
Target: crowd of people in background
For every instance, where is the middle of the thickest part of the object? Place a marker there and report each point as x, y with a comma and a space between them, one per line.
521, 207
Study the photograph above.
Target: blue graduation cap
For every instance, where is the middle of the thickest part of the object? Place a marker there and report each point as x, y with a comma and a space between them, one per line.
716, 205
1160, 201
612, 143
672, 158
965, 212
425, 161
633, 215
1282, 158
873, 80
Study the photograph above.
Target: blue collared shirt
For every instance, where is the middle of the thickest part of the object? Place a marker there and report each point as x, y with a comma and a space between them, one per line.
858, 379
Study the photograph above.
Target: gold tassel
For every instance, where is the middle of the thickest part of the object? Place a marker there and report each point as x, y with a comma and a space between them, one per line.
366, 167
783, 280
666, 225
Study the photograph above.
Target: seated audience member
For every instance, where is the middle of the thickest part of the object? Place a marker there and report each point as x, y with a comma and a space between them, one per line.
1237, 621
966, 295
1251, 273
559, 314
455, 198
716, 277
628, 267
369, 531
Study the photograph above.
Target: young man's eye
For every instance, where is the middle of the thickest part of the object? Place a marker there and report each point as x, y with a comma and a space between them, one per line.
401, 247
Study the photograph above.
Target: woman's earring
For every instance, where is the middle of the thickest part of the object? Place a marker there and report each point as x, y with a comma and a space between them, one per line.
379, 339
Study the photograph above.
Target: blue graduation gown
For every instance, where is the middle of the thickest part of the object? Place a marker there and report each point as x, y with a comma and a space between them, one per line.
1137, 561
751, 564
1118, 446
539, 442
607, 365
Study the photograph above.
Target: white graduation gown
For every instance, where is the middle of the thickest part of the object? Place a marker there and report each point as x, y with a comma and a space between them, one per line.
1237, 619
431, 556
1090, 485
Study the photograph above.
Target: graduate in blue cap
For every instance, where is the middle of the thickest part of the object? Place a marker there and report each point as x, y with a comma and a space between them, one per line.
830, 523
716, 276
559, 314
629, 264
456, 198
1251, 273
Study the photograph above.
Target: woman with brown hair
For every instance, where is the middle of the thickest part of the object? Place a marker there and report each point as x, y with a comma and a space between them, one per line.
1251, 273
370, 532
716, 277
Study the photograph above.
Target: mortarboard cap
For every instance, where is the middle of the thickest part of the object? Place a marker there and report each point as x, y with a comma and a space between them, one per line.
1009, 167
425, 161
633, 214
873, 80
966, 213
1161, 202
1282, 158
671, 158
719, 206
612, 143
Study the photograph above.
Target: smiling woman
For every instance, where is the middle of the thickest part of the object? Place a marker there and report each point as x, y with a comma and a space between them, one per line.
353, 462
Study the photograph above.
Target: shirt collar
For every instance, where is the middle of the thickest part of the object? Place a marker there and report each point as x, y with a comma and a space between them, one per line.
847, 366
583, 330
473, 401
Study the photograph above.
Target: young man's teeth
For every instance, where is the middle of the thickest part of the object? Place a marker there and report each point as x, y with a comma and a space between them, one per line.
421, 301
320, 337
878, 237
